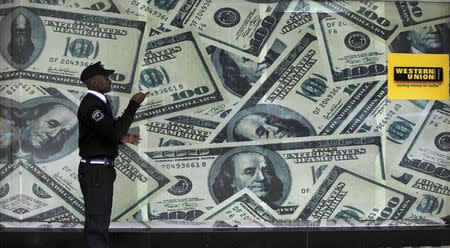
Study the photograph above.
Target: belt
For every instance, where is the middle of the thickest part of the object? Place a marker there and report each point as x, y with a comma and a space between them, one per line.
105, 161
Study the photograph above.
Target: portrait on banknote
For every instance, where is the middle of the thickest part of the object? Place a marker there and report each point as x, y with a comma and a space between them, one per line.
23, 37
429, 39
49, 128
152, 77
237, 73
9, 129
268, 121
260, 170
262, 96
430, 205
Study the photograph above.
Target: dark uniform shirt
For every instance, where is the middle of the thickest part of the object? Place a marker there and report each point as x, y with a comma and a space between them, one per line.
100, 133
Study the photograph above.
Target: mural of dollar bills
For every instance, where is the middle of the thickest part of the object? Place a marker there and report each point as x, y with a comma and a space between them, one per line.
258, 111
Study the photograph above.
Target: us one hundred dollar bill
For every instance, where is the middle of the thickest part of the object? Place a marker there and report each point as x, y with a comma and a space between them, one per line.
238, 75
352, 53
24, 198
416, 12
40, 128
344, 194
423, 166
241, 208
95, 5
177, 74
242, 26
395, 120
42, 139
297, 19
279, 173
53, 45
138, 183
175, 130
369, 15
272, 111
154, 10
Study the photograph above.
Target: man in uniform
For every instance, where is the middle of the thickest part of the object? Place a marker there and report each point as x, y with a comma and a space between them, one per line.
99, 136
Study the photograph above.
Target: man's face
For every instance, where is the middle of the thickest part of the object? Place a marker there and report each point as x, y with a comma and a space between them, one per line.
253, 172
102, 83
43, 130
250, 69
428, 39
7, 132
255, 127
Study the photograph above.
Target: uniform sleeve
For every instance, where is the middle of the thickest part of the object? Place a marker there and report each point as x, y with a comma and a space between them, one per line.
107, 126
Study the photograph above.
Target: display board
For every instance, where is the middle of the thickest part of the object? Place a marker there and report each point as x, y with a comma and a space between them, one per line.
258, 111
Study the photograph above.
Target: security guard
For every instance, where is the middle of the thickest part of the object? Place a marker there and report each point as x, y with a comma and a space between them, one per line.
99, 137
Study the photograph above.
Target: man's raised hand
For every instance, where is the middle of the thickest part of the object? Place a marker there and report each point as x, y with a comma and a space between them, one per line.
131, 138
140, 96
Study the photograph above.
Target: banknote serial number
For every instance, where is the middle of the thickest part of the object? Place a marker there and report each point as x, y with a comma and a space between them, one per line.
438, 119
199, 15
391, 113
184, 165
23, 87
328, 97
72, 173
69, 62
146, 8
237, 212
166, 90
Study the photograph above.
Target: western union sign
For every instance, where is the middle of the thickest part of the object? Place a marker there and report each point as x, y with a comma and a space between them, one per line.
418, 76
408, 74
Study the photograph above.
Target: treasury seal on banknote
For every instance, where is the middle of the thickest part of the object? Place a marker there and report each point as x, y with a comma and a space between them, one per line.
357, 41
268, 121
227, 17
442, 141
260, 170
182, 187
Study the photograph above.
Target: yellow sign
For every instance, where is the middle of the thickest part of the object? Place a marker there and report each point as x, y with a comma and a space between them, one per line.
418, 76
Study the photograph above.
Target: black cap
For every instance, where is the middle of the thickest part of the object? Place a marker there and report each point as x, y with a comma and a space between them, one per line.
94, 69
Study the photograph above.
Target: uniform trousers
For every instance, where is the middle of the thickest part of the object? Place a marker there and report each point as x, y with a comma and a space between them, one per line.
96, 182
